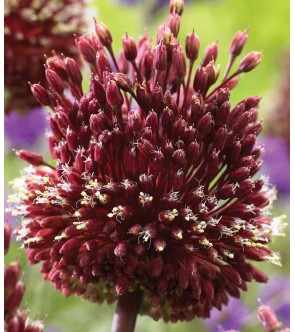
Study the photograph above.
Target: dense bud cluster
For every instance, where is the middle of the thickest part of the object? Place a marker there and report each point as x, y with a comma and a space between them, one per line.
14, 319
153, 187
32, 29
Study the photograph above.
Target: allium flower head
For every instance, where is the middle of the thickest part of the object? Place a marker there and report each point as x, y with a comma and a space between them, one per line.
33, 28
14, 289
153, 185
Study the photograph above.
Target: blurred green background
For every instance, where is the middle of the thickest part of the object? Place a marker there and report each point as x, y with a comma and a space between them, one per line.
212, 20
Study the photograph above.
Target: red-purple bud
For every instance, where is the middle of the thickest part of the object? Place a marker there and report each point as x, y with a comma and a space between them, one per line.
179, 157
223, 114
193, 152
30, 157
123, 63
11, 276
178, 61
41, 94
103, 33
204, 125
56, 83
102, 63
238, 42
147, 64
239, 174
121, 249
197, 107
72, 140
123, 81
122, 285
98, 90
212, 73
268, 319
157, 102
200, 80
7, 237
86, 48
56, 63
210, 54
192, 46
174, 23
155, 267
250, 61
220, 138
113, 94
160, 57
73, 71
176, 6
129, 47
16, 297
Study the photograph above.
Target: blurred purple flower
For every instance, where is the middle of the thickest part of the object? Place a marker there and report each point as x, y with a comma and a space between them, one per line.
276, 294
232, 317
277, 162
23, 130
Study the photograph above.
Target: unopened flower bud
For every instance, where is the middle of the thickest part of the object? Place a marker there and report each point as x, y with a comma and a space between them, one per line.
123, 81
238, 42
103, 33
30, 157
200, 80
73, 71
86, 48
56, 83
7, 236
129, 47
56, 63
178, 61
204, 125
192, 46
102, 63
113, 94
176, 6
250, 61
160, 57
268, 318
174, 24
210, 54
41, 94
121, 249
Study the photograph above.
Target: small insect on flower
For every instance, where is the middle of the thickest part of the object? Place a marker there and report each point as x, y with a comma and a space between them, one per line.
154, 185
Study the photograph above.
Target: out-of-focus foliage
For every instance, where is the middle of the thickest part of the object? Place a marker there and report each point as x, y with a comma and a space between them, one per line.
212, 20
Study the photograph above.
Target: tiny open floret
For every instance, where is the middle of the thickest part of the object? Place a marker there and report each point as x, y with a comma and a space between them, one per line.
153, 186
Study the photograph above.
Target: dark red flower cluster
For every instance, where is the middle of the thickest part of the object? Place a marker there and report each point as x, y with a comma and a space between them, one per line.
31, 30
153, 185
14, 319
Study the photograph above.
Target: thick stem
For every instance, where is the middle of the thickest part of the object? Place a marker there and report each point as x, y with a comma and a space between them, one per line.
126, 312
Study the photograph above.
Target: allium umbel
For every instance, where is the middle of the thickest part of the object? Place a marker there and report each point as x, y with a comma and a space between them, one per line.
31, 30
153, 187
14, 289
